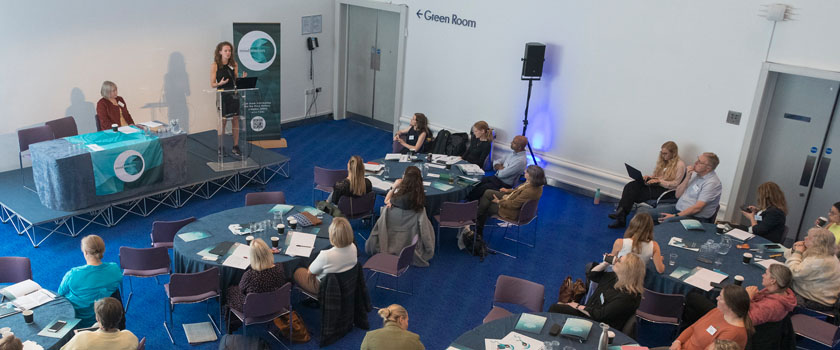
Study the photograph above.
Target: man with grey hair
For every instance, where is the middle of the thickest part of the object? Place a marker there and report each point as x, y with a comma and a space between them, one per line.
698, 194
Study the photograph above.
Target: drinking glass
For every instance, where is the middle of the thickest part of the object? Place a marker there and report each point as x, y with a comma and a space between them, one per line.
175, 126
672, 259
718, 262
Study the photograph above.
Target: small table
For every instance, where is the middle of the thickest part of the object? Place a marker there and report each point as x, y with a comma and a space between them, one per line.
732, 261
434, 196
497, 329
186, 259
43, 315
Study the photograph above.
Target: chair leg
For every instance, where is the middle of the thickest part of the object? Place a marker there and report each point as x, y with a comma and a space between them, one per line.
216, 328
437, 239
130, 293
498, 251
165, 326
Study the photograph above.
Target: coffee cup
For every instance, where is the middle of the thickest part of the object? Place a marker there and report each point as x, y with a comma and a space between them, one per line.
275, 242
114, 127
249, 239
28, 317
739, 280
822, 221
281, 229
293, 223
611, 336
747, 258
720, 228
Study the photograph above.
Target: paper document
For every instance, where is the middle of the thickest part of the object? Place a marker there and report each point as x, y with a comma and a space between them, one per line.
31, 345
433, 175
238, 230
34, 299
740, 235
404, 158
128, 130
766, 263
393, 156
379, 183
702, 278
193, 236
281, 208
442, 186
20, 289
151, 124
427, 183
471, 169
374, 167
301, 244
239, 257
439, 166
678, 242
94, 147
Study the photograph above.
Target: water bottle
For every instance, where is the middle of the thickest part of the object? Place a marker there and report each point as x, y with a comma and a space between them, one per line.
387, 173
425, 170
604, 340
597, 196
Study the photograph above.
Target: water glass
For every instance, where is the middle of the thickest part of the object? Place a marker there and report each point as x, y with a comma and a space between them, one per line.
278, 219
718, 262
387, 173
760, 253
672, 259
547, 345
175, 126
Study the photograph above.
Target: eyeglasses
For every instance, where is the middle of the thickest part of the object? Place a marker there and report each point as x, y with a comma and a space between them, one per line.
701, 162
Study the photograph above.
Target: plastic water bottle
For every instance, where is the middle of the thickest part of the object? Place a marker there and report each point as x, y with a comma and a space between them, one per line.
604, 340
597, 196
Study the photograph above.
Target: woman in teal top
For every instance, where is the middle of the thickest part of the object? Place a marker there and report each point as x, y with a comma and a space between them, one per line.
84, 285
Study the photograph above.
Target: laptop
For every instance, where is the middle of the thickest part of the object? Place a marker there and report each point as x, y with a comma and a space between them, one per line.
246, 83
634, 173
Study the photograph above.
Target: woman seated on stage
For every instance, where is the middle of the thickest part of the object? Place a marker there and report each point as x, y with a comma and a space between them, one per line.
730, 320
638, 239
767, 218
480, 144
417, 135
507, 202
109, 313
83, 285
355, 185
816, 270
668, 173
394, 334
111, 108
618, 295
341, 257
263, 275
407, 193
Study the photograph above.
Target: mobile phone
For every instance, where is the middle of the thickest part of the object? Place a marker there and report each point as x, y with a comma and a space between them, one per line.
609, 259
555, 330
746, 208
57, 326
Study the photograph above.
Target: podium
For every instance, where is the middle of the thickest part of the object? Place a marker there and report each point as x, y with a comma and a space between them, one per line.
227, 160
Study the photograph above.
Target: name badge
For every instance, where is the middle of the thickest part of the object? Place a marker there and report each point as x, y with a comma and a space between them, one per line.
602, 298
411, 137
711, 330
758, 217
696, 188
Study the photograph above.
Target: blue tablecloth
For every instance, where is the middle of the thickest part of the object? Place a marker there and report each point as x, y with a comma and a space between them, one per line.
65, 178
434, 196
732, 262
474, 339
43, 315
187, 260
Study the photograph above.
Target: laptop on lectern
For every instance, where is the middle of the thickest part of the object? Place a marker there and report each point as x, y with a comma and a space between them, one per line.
246, 83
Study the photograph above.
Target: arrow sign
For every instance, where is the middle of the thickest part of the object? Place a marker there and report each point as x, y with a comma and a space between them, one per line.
419, 13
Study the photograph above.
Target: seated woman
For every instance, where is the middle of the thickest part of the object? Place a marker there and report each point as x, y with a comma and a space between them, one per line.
618, 295
83, 285
417, 135
816, 271
638, 239
407, 192
669, 172
833, 223
507, 202
767, 218
10, 342
355, 185
728, 321
394, 334
263, 275
109, 313
480, 144
111, 108
341, 257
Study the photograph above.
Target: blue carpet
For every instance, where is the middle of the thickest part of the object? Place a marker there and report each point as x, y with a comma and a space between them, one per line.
450, 297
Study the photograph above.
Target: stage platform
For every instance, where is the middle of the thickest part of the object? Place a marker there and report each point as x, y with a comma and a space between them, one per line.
22, 208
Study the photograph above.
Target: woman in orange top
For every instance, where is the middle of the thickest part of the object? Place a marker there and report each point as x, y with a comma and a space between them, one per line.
730, 320
111, 108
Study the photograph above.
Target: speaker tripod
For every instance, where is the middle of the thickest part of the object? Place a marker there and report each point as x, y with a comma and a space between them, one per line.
525, 121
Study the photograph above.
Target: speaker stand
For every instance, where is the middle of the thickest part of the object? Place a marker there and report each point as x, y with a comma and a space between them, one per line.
525, 121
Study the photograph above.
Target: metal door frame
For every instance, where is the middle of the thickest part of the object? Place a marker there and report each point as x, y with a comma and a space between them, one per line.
340, 54
756, 123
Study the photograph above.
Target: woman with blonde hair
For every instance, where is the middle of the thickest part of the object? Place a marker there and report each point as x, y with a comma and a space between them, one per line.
638, 239
815, 269
618, 295
480, 144
84, 285
341, 257
669, 172
767, 217
355, 185
262, 275
394, 334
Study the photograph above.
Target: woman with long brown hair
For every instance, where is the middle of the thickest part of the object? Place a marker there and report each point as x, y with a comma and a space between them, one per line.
480, 144
355, 185
407, 192
767, 217
416, 135
638, 239
223, 74
669, 172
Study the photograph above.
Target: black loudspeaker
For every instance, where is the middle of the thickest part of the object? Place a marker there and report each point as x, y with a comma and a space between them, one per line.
311, 43
532, 64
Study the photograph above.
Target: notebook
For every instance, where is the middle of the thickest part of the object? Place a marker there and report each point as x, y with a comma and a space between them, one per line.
576, 328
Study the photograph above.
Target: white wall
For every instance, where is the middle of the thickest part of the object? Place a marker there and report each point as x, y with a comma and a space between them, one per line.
621, 77
158, 52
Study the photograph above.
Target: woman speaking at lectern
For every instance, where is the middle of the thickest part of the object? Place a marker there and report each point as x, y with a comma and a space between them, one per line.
223, 74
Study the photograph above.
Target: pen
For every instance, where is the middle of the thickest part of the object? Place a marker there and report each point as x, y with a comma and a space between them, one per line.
302, 246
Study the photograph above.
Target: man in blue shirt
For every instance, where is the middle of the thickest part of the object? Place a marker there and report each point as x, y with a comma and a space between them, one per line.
508, 169
698, 193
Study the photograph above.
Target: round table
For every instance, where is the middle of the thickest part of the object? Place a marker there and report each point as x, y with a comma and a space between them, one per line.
187, 260
434, 196
732, 261
498, 329
43, 315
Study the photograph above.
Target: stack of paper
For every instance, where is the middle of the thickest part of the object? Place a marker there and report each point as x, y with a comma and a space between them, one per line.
27, 294
239, 257
199, 332
702, 278
678, 242
128, 130
379, 183
151, 124
740, 235
301, 244
765, 263
373, 167
514, 341
238, 230
471, 169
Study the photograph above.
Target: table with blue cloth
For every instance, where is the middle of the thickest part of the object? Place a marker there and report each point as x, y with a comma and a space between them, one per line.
69, 177
42, 316
732, 262
498, 329
187, 260
434, 196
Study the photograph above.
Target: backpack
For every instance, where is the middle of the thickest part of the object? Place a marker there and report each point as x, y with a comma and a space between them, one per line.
457, 144
441, 141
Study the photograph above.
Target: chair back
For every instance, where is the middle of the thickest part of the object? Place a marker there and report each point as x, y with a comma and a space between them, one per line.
528, 212
459, 212
193, 284
326, 178
407, 255
32, 135
256, 198
142, 344
63, 127
712, 218
816, 329
144, 259
355, 207
98, 124
264, 307
15, 269
661, 305
518, 291
163, 232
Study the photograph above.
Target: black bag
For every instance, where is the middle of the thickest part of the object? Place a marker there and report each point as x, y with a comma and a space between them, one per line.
478, 249
329, 208
241, 342
457, 144
441, 141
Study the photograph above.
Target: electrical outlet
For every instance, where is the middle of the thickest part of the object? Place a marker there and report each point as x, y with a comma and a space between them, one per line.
309, 92
317, 89
733, 118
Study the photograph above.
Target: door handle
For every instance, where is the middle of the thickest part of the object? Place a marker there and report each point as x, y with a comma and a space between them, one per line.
374, 58
805, 180
821, 172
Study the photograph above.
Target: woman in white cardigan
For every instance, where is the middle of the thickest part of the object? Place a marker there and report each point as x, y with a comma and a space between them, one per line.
816, 271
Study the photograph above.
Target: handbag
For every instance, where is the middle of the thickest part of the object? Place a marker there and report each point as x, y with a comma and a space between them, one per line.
299, 332
329, 208
571, 291
578, 291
